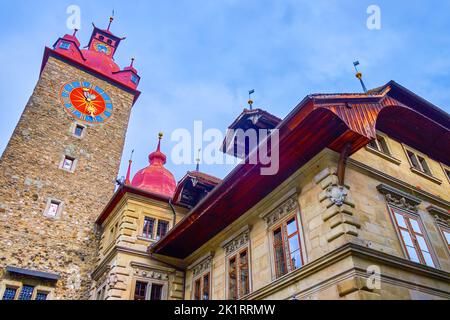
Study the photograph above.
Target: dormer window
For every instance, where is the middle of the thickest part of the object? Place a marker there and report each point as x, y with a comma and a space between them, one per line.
64, 45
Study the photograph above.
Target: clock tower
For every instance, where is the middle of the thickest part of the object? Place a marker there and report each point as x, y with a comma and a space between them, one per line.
59, 168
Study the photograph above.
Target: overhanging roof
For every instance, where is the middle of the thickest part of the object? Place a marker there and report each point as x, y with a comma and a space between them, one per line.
34, 274
318, 122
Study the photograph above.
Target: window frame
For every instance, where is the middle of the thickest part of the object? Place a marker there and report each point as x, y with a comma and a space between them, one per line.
443, 230
147, 235
149, 285
445, 169
412, 234
282, 225
74, 127
18, 286
420, 171
51, 201
236, 256
73, 166
201, 280
64, 45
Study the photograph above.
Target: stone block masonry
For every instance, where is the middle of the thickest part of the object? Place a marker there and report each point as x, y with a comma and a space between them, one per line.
30, 175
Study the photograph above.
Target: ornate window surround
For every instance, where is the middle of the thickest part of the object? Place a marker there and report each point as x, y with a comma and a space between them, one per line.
442, 219
397, 199
235, 244
150, 275
199, 269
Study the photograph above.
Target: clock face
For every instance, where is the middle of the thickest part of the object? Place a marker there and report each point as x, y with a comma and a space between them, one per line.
86, 102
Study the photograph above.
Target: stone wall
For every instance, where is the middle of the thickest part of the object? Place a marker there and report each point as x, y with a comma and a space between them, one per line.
30, 175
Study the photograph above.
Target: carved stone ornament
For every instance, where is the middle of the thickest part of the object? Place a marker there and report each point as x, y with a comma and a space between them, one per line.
441, 216
283, 210
337, 194
238, 242
150, 274
399, 198
202, 266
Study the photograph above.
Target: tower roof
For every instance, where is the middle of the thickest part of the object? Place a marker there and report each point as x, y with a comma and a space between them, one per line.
98, 56
156, 178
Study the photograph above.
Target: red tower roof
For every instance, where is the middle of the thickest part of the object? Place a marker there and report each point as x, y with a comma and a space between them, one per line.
97, 56
155, 178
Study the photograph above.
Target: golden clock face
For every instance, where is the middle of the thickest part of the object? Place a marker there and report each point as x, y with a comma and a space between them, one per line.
102, 47
86, 102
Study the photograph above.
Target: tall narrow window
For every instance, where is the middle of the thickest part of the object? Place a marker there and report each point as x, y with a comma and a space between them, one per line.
413, 159
26, 293
197, 289
202, 287
413, 238
140, 290
9, 294
205, 289
238, 275
287, 247
446, 234
232, 279
424, 165
163, 227
244, 286
149, 224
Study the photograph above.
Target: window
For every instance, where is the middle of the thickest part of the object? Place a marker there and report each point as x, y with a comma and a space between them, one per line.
163, 227
134, 79
446, 234
413, 238
446, 171
41, 296
26, 293
9, 294
64, 45
202, 287
101, 38
156, 292
149, 224
54, 207
68, 163
79, 131
238, 275
379, 144
418, 162
287, 247
140, 290
148, 291
109, 41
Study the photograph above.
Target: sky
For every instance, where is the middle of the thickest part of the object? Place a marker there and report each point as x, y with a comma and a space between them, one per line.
198, 59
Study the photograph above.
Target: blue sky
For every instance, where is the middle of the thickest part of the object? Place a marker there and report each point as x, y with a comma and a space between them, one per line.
198, 59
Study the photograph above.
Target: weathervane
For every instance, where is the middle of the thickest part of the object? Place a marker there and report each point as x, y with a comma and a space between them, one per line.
359, 76
198, 160
250, 101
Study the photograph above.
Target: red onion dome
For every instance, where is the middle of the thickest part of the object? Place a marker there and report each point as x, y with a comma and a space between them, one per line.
155, 178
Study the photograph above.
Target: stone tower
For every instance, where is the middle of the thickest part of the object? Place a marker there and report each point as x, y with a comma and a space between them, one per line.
59, 169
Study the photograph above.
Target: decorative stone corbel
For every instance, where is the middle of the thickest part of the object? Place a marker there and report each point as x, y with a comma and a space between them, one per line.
337, 194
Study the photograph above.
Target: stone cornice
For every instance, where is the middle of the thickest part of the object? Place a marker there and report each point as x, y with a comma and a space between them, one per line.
399, 183
345, 251
441, 216
399, 198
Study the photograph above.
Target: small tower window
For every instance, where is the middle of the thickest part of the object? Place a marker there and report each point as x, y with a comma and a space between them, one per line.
53, 209
68, 163
79, 130
101, 38
109, 41
64, 45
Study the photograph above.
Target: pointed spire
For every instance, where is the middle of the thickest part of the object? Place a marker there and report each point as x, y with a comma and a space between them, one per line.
127, 179
198, 161
132, 62
111, 19
157, 157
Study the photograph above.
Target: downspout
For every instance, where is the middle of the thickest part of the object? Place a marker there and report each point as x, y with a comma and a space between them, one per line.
343, 163
174, 213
